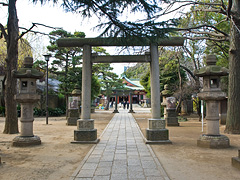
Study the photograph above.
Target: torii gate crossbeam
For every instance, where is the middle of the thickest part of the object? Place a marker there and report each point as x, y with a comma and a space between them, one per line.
85, 133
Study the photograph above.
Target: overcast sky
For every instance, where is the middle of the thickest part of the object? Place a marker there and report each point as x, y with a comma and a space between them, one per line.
56, 17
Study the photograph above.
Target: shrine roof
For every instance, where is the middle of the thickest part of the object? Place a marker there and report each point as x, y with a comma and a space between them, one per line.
133, 84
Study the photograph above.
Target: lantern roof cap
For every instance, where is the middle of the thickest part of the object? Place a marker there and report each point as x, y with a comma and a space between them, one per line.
27, 71
166, 91
76, 91
211, 69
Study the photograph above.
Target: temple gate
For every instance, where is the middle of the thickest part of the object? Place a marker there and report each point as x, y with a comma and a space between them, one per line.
86, 133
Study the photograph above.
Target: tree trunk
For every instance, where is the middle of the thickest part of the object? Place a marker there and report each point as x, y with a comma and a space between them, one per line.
233, 113
11, 122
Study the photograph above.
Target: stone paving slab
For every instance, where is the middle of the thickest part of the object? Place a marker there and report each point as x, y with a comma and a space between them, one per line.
121, 154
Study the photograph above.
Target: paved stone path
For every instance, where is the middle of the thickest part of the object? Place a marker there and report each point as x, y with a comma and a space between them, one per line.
121, 154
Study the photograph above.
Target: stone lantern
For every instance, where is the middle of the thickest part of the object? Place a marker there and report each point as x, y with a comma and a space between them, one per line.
165, 93
74, 106
27, 96
171, 114
212, 95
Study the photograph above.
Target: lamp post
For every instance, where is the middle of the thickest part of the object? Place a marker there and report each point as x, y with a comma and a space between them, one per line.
47, 57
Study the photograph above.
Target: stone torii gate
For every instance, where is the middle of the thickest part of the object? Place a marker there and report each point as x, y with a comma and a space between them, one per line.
86, 133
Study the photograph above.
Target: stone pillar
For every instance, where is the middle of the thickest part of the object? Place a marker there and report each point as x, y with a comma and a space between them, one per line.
85, 132
212, 95
27, 96
171, 114
116, 102
131, 108
156, 133
236, 160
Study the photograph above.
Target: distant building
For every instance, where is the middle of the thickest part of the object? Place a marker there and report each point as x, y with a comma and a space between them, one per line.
138, 93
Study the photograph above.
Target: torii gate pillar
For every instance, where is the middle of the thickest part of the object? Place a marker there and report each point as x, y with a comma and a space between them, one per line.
85, 132
156, 132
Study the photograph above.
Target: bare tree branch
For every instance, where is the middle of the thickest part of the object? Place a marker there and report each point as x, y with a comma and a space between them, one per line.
36, 32
189, 72
229, 8
3, 31
208, 33
210, 10
206, 38
188, 3
202, 26
4, 4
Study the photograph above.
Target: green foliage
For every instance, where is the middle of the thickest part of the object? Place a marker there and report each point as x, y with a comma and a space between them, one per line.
137, 71
109, 80
66, 63
2, 110
216, 43
51, 111
113, 23
95, 91
168, 67
146, 83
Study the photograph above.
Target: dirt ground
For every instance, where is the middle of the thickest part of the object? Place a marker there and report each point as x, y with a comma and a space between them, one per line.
184, 160
56, 158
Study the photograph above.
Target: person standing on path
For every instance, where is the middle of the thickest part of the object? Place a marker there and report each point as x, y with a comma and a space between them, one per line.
124, 104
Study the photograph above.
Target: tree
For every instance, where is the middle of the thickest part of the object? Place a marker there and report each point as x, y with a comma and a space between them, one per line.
168, 67
151, 26
233, 113
11, 37
219, 33
24, 51
65, 62
137, 71
109, 81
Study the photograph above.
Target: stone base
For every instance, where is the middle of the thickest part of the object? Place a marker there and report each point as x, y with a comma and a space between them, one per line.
72, 117
72, 121
85, 136
115, 111
236, 162
131, 111
213, 141
24, 141
172, 121
158, 142
157, 136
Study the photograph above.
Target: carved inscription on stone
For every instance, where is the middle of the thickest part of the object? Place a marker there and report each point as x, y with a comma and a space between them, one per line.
156, 124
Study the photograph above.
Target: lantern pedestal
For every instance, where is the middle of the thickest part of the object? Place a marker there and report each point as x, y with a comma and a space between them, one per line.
23, 141
74, 110
171, 117
236, 161
213, 141
212, 95
73, 116
27, 96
